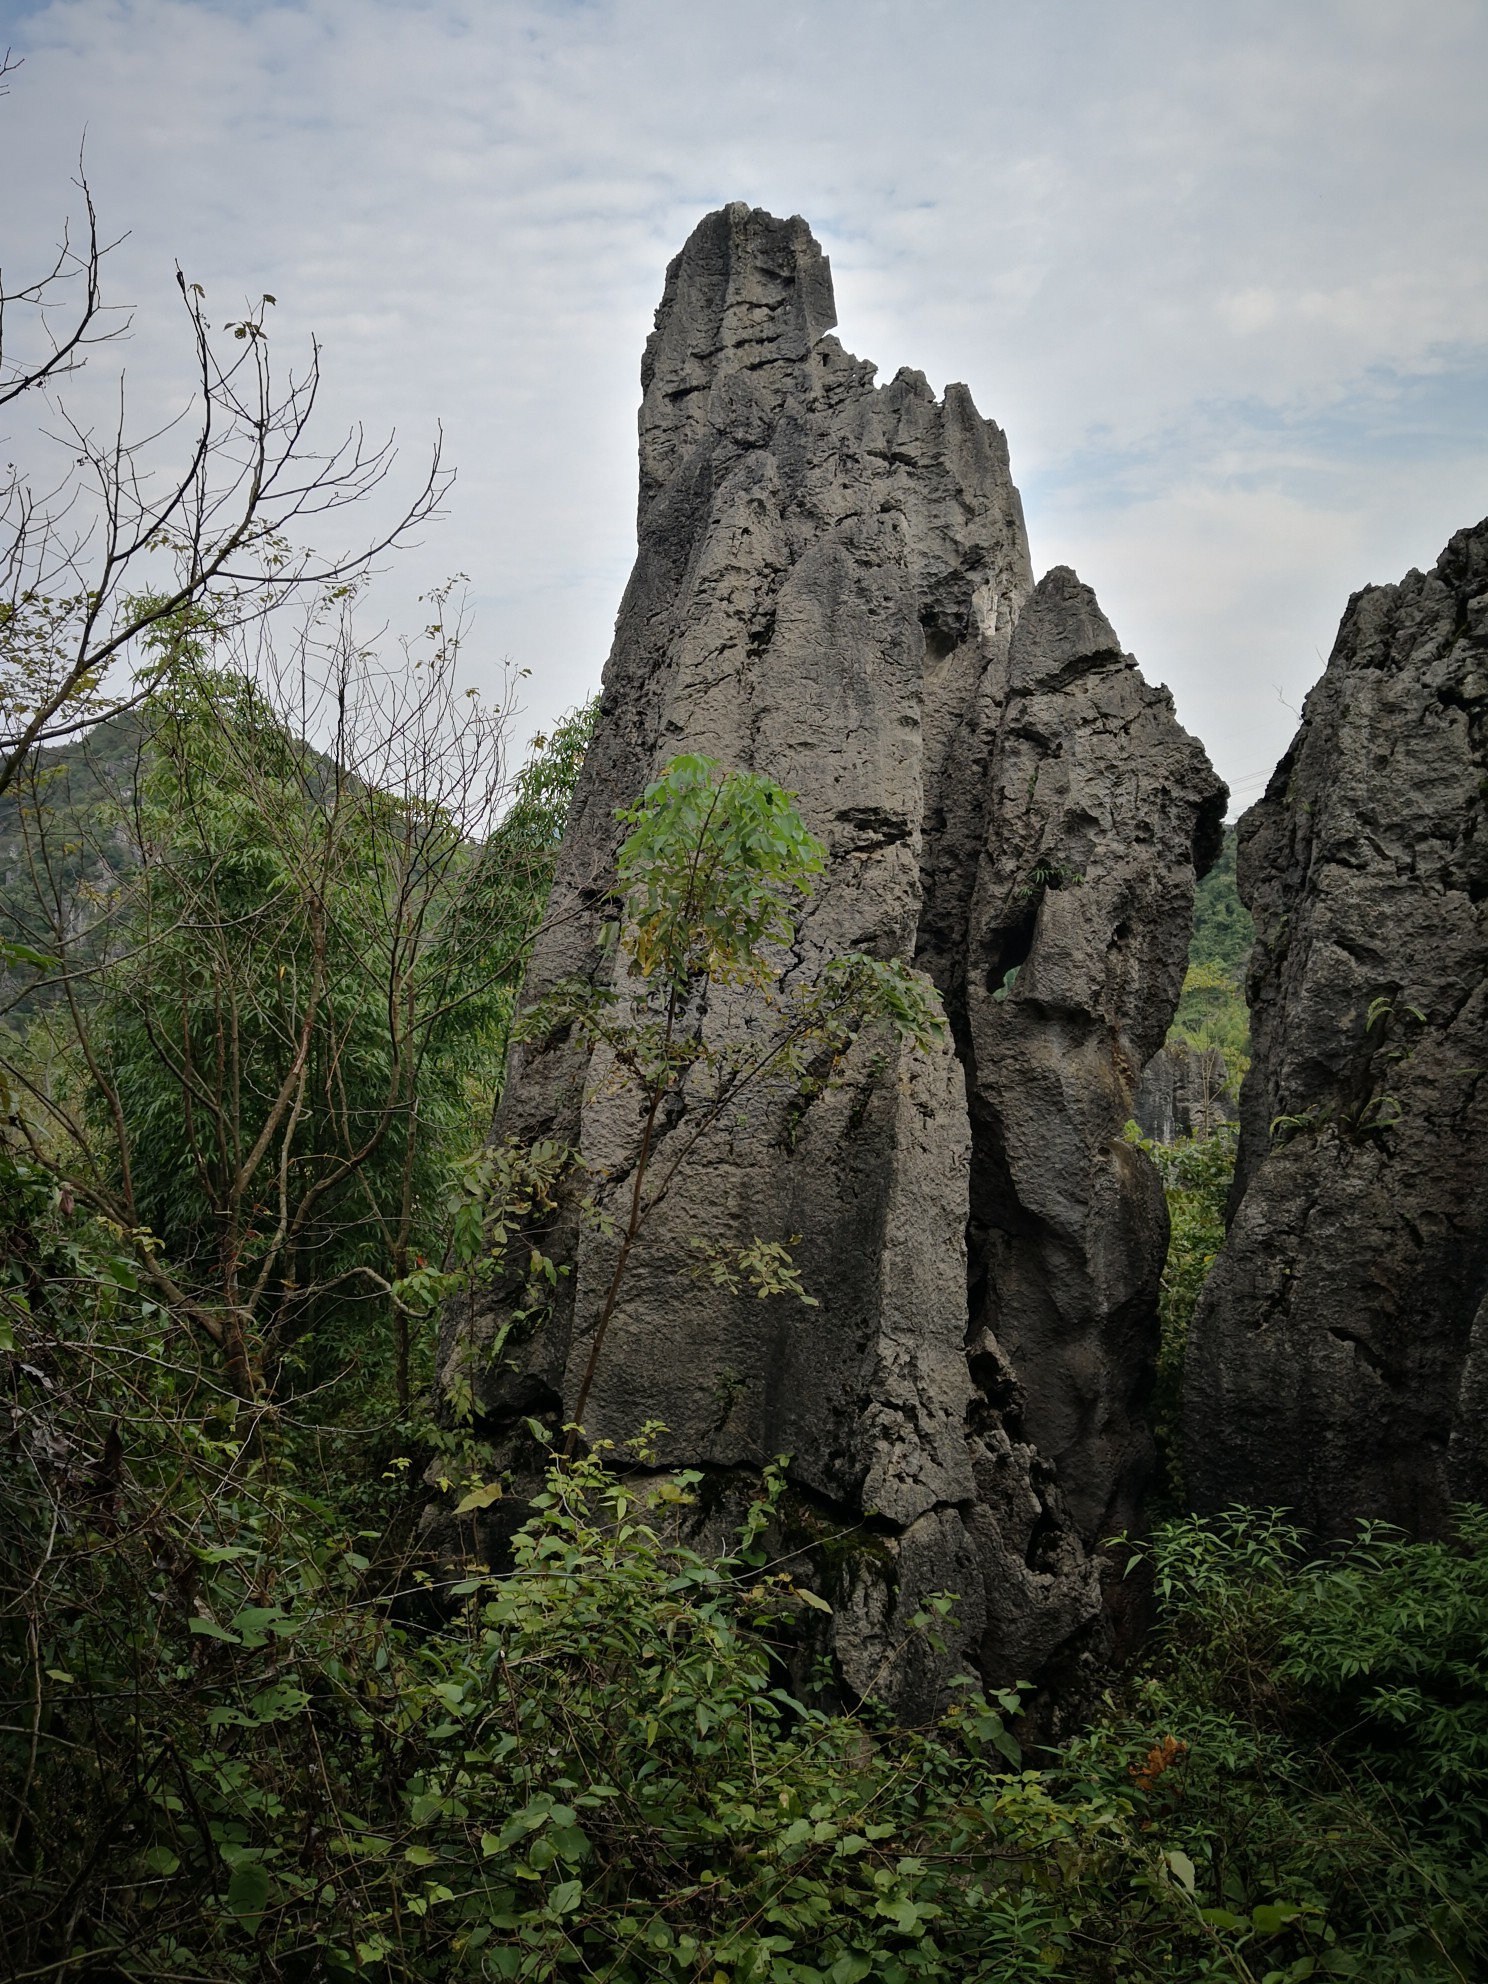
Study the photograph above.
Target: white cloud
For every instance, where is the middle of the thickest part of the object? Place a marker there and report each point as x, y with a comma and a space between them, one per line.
1191, 258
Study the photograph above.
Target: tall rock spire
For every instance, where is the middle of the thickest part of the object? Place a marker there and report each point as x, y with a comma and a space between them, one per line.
828, 578
1097, 808
1338, 1361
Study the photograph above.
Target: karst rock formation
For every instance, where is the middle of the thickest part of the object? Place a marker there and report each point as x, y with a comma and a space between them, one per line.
833, 587
1184, 1092
1338, 1362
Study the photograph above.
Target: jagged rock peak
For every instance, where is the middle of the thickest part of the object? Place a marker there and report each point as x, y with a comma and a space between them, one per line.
1100, 815
1063, 635
744, 305
828, 578
1338, 1362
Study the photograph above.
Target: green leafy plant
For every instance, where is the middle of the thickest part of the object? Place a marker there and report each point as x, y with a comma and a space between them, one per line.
287, 1013
1047, 874
712, 874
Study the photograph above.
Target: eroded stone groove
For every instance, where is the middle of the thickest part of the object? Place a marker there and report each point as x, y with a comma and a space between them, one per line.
1338, 1364
828, 580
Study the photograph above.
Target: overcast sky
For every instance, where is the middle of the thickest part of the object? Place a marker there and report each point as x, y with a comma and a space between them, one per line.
1220, 270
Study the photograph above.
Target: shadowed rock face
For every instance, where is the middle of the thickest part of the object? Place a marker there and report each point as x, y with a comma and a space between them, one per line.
827, 582
1338, 1363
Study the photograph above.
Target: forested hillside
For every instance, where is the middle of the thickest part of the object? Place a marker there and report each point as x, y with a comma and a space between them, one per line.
1212, 1011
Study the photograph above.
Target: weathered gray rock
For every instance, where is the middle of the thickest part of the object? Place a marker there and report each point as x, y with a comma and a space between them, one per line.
1338, 1363
1184, 1092
1098, 809
827, 581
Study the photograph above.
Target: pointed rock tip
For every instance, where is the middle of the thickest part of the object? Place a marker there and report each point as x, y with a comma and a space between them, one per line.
745, 304
739, 268
1062, 623
1465, 553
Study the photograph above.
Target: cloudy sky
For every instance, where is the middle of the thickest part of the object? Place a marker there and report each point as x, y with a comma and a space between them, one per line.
1220, 270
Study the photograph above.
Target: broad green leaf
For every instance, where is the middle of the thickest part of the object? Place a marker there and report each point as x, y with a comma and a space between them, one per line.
1182, 1868
14, 953
208, 1629
248, 1892
1223, 1918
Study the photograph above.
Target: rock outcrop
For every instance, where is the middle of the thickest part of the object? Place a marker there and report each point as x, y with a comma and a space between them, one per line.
828, 581
1184, 1092
1097, 809
1338, 1362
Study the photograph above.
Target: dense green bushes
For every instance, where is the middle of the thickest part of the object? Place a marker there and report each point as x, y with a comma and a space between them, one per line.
1333, 1792
242, 1737
237, 1741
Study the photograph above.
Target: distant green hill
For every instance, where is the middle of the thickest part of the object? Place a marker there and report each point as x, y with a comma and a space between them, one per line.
1223, 931
86, 786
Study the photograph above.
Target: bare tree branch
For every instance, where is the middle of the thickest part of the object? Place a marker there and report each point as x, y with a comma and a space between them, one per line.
234, 518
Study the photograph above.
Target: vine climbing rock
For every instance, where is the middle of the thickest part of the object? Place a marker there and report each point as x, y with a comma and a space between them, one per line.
832, 587
1338, 1361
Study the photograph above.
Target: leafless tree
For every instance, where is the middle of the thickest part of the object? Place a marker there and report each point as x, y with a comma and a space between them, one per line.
231, 492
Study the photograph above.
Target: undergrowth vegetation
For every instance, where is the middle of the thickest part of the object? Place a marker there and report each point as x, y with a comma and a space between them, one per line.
249, 1731
1196, 1174
245, 1737
1329, 1775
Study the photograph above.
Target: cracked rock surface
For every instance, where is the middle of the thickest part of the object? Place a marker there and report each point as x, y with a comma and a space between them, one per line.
1338, 1362
1097, 807
832, 586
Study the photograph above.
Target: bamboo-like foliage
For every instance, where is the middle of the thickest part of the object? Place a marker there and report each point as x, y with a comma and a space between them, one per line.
292, 1005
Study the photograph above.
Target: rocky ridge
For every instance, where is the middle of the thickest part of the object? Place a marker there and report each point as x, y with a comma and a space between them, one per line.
833, 586
1338, 1361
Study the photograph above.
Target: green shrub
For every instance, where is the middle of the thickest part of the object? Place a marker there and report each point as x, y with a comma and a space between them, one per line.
239, 1738
1328, 1722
